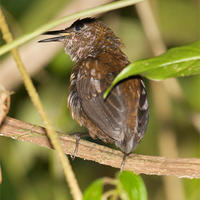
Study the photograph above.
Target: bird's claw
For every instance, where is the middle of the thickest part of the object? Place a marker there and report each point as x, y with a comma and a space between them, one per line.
78, 136
123, 162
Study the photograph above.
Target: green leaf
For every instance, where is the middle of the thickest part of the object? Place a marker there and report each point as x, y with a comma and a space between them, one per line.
94, 191
176, 62
131, 186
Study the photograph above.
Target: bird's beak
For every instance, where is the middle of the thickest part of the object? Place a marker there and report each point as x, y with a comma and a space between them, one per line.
61, 35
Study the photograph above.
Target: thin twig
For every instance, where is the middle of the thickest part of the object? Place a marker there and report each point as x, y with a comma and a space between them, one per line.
140, 164
109, 194
69, 174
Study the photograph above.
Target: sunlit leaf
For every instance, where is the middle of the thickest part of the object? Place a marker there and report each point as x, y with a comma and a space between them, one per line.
94, 191
176, 62
131, 186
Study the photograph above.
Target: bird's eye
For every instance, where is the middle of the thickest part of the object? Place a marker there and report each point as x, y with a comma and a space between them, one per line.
78, 27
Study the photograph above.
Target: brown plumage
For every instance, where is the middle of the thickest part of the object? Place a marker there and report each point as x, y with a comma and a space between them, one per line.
121, 118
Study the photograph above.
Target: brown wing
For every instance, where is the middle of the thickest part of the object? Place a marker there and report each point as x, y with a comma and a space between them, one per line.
143, 112
117, 116
107, 115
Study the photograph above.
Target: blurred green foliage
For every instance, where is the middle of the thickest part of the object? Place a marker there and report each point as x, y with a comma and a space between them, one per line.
94, 191
127, 186
32, 172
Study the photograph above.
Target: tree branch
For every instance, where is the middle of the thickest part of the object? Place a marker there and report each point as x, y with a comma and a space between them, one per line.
140, 164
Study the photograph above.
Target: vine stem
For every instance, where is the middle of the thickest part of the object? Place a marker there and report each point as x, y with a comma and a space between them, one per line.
69, 174
109, 194
88, 12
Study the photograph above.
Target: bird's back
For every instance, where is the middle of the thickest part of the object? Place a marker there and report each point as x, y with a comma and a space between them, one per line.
121, 118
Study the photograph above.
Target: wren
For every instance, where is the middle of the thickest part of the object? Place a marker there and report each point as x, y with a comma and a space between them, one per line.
122, 117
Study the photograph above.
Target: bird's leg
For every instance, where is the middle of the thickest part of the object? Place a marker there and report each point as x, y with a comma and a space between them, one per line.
78, 136
123, 162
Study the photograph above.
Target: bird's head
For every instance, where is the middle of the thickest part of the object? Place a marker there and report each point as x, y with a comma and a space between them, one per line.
85, 38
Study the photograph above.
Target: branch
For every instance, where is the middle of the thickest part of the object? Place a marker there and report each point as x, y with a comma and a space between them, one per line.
140, 164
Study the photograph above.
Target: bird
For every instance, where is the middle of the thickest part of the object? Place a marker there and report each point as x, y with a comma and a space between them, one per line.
122, 117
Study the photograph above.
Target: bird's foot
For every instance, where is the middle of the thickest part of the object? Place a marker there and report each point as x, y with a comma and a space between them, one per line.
123, 162
78, 136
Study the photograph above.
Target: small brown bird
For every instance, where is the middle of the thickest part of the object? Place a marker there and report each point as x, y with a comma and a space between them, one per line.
123, 116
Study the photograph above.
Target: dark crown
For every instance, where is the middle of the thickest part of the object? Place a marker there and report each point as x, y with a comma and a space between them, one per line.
80, 22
